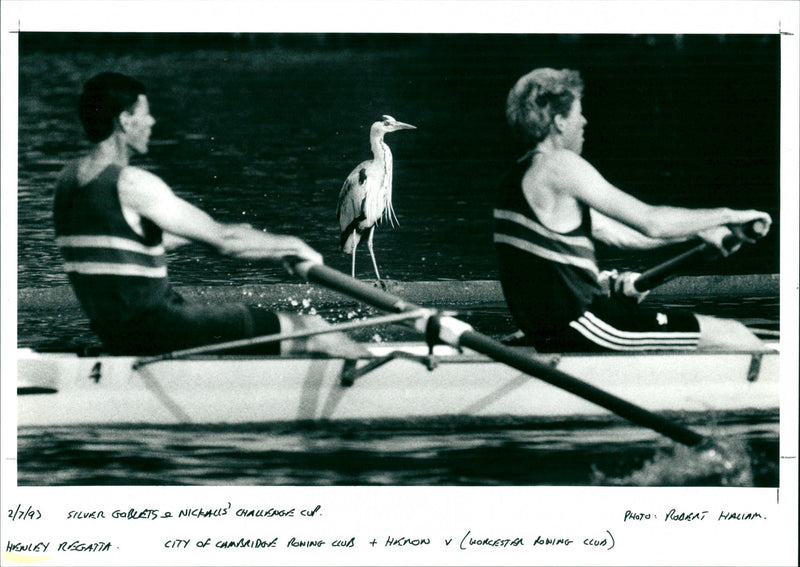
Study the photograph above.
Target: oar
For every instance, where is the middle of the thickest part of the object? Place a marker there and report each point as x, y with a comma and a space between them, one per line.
664, 272
459, 334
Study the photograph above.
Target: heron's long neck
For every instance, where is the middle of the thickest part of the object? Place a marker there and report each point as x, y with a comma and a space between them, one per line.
383, 155
380, 150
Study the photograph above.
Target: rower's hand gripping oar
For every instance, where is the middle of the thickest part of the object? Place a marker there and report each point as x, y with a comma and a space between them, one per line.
456, 333
664, 272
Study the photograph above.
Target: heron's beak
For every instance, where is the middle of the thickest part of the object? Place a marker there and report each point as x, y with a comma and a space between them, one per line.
403, 126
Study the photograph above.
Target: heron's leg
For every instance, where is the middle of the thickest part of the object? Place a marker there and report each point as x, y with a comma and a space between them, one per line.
372, 253
353, 267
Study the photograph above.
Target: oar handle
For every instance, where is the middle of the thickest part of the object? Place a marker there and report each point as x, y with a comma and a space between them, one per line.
666, 271
337, 281
457, 333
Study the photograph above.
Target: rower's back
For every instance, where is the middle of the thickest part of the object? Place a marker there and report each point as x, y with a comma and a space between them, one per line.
115, 272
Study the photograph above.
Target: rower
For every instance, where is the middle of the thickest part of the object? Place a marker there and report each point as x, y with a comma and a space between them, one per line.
114, 223
552, 208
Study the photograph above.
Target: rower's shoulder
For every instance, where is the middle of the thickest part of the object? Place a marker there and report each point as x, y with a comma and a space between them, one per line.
132, 178
564, 167
563, 158
135, 173
137, 184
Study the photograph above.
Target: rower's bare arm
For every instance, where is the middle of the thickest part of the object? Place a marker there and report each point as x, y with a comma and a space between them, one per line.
151, 198
620, 235
251, 244
578, 178
148, 196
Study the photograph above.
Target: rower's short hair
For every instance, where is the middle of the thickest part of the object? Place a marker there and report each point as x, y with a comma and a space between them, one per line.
537, 98
104, 97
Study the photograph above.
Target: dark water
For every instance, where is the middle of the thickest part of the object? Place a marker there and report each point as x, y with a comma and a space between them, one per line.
267, 136
264, 129
452, 452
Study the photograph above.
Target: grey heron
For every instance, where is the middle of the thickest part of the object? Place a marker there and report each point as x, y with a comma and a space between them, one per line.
366, 196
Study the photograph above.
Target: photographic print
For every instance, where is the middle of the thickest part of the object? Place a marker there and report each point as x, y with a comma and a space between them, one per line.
480, 295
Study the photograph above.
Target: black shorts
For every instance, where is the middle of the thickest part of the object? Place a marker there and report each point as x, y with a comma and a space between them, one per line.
180, 325
614, 324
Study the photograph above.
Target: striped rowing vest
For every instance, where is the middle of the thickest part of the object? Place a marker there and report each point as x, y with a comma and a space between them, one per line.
548, 278
115, 272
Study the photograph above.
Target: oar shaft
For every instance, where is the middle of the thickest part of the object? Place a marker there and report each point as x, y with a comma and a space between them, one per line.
658, 275
457, 333
524, 363
337, 281
663, 272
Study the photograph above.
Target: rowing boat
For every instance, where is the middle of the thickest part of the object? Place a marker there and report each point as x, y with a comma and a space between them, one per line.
466, 374
398, 381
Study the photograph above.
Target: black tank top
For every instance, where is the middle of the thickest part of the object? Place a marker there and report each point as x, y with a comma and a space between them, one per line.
548, 277
115, 272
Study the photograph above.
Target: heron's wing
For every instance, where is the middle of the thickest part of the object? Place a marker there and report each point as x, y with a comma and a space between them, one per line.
351, 198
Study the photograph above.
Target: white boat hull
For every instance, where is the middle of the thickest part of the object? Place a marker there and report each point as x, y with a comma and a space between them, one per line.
61, 389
